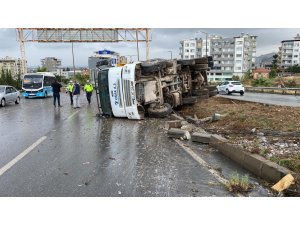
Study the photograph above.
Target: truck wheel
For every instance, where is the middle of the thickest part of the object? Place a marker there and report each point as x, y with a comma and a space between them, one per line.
213, 93
200, 92
189, 100
202, 60
211, 87
161, 112
186, 62
200, 67
153, 66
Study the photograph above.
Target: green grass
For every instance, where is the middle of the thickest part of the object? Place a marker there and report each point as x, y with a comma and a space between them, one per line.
238, 183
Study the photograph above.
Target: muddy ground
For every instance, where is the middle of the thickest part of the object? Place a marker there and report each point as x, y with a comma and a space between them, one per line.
271, 131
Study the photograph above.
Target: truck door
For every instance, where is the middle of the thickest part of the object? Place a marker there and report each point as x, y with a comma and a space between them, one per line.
104, 92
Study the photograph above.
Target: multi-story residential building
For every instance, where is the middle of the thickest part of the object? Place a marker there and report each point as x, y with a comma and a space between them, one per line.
189, 48
11, 64
290, 52
51, 63
232, 56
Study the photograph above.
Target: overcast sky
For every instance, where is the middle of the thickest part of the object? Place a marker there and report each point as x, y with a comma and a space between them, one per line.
163, 40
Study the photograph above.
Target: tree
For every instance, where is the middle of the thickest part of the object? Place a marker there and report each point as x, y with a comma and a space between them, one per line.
273, 73
235, 77
275, 62
42, 69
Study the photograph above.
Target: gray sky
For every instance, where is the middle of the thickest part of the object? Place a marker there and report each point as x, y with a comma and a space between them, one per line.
163, 40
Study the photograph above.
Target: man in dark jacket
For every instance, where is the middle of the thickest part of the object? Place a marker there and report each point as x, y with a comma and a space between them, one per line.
76, 94
56, 89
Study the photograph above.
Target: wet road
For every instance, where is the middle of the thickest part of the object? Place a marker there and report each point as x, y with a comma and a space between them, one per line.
70, 152
272, 99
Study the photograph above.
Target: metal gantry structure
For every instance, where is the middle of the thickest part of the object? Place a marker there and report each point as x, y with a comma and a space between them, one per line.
70, 35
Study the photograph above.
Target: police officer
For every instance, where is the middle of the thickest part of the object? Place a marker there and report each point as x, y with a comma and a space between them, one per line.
88, 88
70, 89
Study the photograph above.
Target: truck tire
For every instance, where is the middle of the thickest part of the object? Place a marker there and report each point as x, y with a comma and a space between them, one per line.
178, 67
200, 92
186, 62
202, 60
162, 112
211, 87
203, 97
213, 93
200, 67
151, 67
189, 100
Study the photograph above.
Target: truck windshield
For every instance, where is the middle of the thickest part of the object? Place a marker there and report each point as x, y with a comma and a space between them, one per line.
33, 81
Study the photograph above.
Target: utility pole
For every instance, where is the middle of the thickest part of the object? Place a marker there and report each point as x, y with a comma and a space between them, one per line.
137, 45
73, 61
23, 67
205, 41
171, 53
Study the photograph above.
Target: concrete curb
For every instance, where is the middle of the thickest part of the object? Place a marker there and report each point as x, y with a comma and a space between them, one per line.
258, 165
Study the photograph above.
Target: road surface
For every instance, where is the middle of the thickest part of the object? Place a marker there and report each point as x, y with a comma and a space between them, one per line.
47, 151
272, 99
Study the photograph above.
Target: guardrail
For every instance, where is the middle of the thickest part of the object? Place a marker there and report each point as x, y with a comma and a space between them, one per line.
274, 90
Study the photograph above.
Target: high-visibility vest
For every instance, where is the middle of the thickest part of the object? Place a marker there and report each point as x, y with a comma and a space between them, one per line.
70, 87
88, 88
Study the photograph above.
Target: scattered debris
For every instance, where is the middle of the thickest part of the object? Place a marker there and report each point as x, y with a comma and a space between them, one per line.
172, 124
178, 133
284, 183
66, 173
112, 158
201, 137
85, 163
119, 192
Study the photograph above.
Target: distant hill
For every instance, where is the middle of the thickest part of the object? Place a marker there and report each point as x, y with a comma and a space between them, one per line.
264, 59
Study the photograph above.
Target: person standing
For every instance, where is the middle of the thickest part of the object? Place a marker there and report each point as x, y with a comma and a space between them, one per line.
88, 88
56, 89
70, 89
76, 94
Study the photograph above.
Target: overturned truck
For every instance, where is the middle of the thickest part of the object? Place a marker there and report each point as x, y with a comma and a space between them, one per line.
152, 87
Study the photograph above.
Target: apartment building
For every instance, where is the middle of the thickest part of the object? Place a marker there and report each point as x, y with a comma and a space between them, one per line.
289, 52
232, 56
11, 64
51, 63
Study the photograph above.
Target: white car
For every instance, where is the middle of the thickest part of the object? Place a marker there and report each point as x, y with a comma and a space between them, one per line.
231, 86
8, 94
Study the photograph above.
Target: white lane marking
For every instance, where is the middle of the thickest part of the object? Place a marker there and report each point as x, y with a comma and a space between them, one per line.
214, 172
21, 155
73, 115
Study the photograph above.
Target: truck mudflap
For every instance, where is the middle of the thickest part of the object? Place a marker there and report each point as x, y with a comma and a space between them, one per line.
129, 93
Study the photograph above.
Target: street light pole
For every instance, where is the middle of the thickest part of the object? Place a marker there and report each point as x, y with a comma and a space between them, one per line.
205, 42
171, 54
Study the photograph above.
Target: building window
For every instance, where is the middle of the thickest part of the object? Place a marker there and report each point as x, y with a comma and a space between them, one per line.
238, 68
186, 57
238, 55
186, 45
192, 50
239, 42
187, 50
192, 44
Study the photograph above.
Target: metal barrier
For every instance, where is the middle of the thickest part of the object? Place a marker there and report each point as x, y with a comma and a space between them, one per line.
274, 90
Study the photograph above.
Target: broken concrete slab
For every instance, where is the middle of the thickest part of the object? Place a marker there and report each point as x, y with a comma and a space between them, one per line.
178, 133
201, 137
188, 127
176, 117
172, 124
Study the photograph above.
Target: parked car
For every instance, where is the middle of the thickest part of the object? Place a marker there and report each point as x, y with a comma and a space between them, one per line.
8, 94
231, 86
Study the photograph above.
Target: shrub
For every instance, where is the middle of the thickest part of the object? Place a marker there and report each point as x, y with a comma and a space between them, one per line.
261, 82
